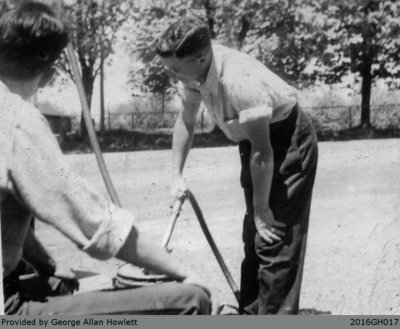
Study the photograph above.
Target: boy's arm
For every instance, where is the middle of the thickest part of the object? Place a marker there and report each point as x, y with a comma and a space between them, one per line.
254, 103
181, 144
142, 251
40, 179
261, 166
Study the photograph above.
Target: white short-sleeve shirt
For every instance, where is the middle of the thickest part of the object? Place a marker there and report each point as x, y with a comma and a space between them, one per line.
34, 172
238, 89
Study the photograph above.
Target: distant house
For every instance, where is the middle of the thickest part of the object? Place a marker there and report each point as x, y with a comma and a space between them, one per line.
60, 122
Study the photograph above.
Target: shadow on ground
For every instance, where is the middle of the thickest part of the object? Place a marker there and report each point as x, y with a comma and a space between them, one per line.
312, 311
358, 133
227, 309
125, 141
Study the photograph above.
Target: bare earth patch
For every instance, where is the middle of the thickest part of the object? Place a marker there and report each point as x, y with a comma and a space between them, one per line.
353, 256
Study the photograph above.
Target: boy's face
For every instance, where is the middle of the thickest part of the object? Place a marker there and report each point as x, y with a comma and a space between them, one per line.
186, 69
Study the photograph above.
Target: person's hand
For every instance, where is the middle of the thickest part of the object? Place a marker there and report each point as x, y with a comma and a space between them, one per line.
194, 279
178, 189
68, 277
269, 235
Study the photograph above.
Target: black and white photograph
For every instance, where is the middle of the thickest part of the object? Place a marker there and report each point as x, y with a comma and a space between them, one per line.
200, 157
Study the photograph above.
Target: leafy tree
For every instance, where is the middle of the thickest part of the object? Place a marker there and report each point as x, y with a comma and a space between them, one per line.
309, 40
4, 5
149, 20
273, 31
301, 40
156, 80
362, 37
280, 33
95, 25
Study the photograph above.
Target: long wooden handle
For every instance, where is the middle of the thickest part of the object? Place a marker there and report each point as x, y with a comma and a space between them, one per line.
213, 246
90, 128
2, 301
176, 210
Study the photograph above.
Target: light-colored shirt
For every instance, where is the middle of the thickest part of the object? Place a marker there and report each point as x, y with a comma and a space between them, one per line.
239, 89
36, 180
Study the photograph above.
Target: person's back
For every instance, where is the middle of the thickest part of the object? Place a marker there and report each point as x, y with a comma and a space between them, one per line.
31, 38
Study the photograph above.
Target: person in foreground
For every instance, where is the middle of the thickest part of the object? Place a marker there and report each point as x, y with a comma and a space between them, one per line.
35, 181
278, 152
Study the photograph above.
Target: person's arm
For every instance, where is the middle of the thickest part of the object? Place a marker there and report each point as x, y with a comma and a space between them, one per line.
253, 101
54, 194
40, 179
261, 167
181, 144
142, 252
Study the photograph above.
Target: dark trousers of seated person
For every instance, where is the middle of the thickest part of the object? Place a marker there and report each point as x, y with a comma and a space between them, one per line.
49, 296
271, 274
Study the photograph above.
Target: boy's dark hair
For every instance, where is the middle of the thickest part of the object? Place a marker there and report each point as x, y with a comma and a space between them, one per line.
183, 38
32, 37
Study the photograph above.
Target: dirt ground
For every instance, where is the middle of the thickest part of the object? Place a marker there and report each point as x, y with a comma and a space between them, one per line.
353, 254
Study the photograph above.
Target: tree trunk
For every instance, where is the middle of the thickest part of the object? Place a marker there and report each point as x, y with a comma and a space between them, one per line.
224, 8
162, 103
102, 110
210, 14
366, 97
366, 75
369, 33
245, 27
88, 86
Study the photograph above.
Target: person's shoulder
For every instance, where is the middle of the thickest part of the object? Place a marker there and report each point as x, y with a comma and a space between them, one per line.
26, 115
31, 128
234, 63
221, 49
20, 119
24, 120
225, 54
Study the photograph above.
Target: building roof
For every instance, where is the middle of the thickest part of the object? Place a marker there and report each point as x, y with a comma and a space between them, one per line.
48, 109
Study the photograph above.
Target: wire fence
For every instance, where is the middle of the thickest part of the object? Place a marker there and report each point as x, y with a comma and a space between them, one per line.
152, 121
327, 118
335, 118
147, 121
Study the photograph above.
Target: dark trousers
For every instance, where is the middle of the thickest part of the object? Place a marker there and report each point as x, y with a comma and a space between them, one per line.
271, 274
48, 296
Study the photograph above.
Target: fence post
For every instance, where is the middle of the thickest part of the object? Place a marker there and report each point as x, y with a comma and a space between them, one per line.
109, 120
202, 121
350, 118
132, 122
